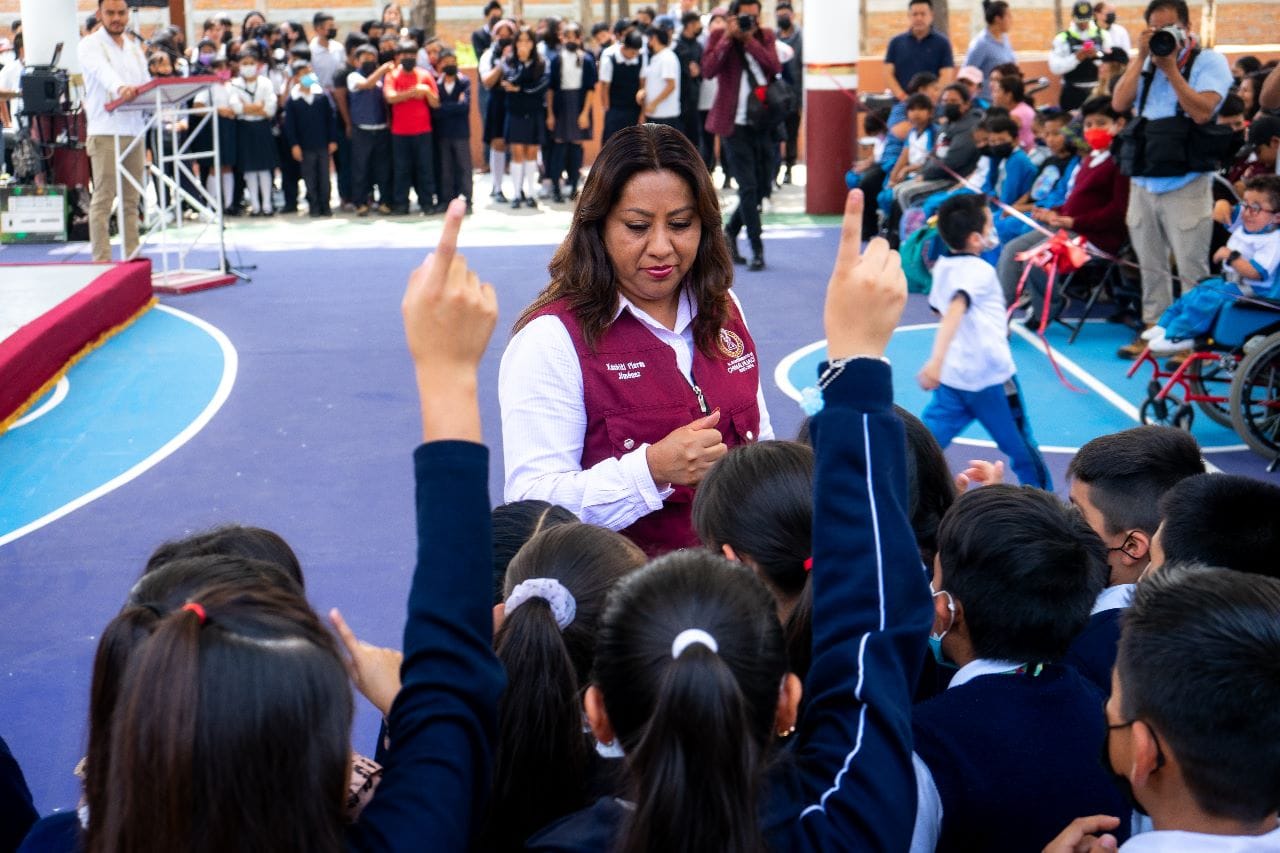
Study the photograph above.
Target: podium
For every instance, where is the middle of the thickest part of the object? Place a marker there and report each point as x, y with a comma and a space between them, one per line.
165, 104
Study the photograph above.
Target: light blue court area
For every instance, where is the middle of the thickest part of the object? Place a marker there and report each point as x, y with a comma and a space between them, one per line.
119, 411
1061, 419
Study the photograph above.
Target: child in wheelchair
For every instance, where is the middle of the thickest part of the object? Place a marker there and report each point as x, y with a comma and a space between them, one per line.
1250, 261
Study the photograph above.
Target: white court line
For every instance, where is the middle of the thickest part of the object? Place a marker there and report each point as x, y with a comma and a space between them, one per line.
59, 394
781, 378
230, 365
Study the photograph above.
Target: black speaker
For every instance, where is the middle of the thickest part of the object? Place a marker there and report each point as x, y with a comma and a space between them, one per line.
44, 88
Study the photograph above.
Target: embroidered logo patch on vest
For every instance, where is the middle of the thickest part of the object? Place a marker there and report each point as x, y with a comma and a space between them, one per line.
730, 344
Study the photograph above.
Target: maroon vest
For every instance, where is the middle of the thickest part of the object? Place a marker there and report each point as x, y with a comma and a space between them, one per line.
634, 394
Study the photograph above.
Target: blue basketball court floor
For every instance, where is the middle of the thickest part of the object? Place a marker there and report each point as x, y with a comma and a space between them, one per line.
289, 403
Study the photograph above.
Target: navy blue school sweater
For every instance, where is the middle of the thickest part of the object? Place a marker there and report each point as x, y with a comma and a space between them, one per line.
310, 125
1093, 653
1016, 758
444, 722
845, 780
17, 812
452, 119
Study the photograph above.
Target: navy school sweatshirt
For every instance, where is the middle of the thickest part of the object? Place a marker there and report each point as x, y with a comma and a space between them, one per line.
845, 781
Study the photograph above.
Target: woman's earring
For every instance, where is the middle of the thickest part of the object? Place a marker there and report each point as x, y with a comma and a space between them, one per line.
788, 733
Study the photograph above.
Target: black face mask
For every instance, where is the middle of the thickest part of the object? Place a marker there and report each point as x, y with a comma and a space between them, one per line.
1000, 151
1121, 780
571, 46
408, 64
367, 68
493, 20
1109, 18
331, 33
450, 70
952, 112
386, 56
784, 22
504, 43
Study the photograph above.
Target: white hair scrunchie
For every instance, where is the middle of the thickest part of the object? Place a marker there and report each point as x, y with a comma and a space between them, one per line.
690, 637
550, 590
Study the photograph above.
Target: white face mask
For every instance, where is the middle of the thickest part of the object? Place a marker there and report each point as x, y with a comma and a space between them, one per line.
248, 72
990, 240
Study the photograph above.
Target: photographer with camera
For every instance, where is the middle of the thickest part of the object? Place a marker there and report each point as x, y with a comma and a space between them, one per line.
1170, 151
1076, 54
743, 58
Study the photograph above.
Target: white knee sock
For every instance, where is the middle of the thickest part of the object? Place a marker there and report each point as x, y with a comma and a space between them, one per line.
531, 179
228, 187
211, 187
497, 165
264, 181
251, 188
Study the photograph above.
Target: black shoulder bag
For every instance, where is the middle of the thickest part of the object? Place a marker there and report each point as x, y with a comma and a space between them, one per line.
1172, 146
766, 114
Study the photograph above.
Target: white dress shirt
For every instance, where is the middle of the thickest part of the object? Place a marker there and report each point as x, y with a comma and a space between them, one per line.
260, 90
544, 424
1174, 841
108, 68
928, 801
1116, 597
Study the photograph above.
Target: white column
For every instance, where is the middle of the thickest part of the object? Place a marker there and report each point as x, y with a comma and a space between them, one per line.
44, 24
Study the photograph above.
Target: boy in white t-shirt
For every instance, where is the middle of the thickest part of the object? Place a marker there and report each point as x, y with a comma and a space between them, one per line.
1252, 259
659, 97
971, 370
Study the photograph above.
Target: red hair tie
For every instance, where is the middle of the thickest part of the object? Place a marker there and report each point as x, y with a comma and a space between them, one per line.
808, 564
197, 609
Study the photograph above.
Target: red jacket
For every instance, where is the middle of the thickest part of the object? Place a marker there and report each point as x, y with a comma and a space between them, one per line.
721, 61
1097, 204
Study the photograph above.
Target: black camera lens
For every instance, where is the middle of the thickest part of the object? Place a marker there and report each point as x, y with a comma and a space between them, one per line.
746, 22
1163, 43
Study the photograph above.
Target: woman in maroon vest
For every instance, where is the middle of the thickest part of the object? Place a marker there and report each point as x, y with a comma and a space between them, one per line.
633, 371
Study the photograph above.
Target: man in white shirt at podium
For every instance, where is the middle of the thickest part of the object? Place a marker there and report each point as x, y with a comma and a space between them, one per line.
115, 65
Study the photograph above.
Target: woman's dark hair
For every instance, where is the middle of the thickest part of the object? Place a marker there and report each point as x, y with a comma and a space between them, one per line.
537, 65
541, 758
155, 596
514, 524
235, 540
551, 37
992, 9
695, 728
759, 501
245, 33
581, 270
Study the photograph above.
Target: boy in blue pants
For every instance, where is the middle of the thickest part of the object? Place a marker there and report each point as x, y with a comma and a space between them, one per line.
971, 370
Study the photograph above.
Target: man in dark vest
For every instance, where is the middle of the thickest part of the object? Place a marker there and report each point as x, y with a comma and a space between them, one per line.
1075, 54
619, 83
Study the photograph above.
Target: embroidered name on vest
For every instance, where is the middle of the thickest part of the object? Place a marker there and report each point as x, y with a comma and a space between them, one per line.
625, 369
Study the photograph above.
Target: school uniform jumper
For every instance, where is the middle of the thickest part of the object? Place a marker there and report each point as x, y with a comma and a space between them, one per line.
452, 123
979, 380
370, 141
573, 77
623, 77
311, 123
1009, 757
845, 780
1093, 652
525, 108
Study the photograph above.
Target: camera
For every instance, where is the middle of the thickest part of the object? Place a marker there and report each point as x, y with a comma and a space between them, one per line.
1167, 40
746, 23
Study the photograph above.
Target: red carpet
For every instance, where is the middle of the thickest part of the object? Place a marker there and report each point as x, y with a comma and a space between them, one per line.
35, 355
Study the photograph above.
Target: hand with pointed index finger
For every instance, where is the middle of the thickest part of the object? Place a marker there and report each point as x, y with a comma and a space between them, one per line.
448, 319
866, 292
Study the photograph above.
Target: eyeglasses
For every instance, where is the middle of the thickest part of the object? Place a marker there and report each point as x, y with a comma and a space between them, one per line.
1252, 207
1113, 726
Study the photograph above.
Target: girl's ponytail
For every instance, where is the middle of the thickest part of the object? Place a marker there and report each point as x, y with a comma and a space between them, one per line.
694, 776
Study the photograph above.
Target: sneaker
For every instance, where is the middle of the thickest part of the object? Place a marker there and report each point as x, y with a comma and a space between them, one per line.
1164, 346
733, 248
383, 209
500, 197
515, 204
757, 262
362, 210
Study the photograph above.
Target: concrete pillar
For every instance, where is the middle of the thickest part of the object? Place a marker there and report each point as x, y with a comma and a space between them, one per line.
44, 24
830, 90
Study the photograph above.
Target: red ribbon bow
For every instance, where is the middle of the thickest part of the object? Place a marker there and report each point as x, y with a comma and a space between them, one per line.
1059, 254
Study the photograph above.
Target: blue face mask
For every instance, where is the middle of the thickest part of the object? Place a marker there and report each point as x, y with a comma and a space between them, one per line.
935, 640
309, 80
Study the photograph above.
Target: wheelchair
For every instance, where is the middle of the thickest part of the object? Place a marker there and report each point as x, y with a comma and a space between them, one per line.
1232, 376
